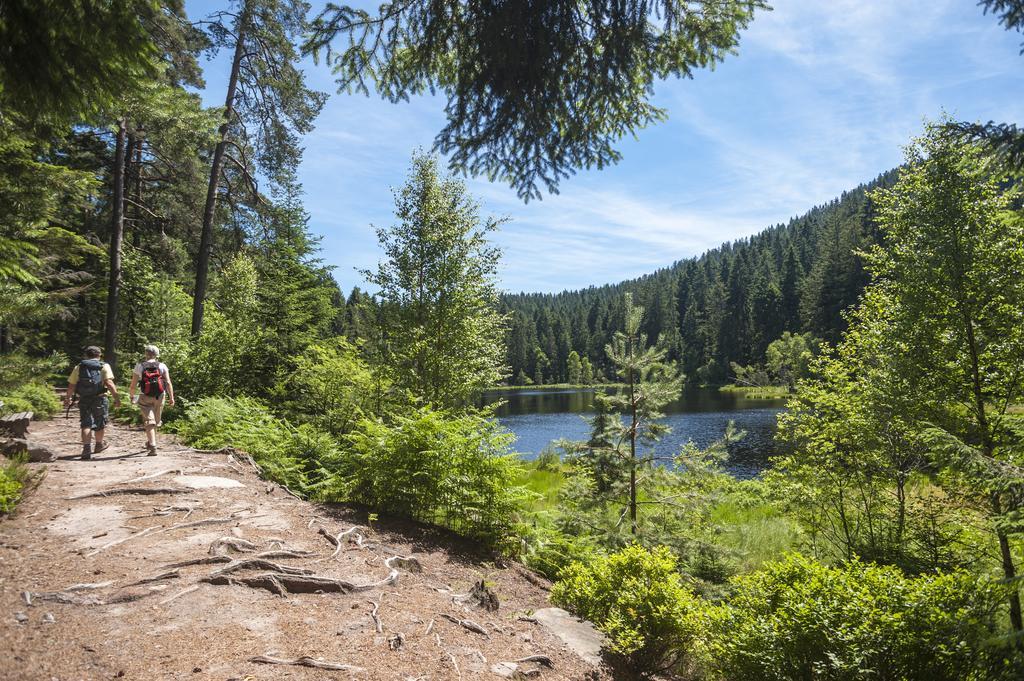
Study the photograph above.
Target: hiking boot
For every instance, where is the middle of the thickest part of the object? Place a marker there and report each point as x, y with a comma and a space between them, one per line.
86, 452
152, 450
100, 447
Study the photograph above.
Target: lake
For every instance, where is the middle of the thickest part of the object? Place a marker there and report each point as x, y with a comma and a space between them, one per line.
538, 417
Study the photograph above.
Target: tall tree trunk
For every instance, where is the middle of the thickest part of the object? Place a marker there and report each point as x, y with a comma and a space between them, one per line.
988, 446
116, 234
206, 238
137, 224
632, 443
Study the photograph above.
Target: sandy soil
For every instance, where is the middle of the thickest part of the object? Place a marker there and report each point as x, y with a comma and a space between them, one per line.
180, 627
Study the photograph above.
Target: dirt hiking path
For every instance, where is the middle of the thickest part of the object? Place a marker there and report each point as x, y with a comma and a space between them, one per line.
148, 579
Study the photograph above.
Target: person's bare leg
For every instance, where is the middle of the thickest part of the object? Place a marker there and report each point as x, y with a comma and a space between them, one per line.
86, 435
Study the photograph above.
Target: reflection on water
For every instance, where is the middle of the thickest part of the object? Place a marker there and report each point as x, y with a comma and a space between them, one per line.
538, 417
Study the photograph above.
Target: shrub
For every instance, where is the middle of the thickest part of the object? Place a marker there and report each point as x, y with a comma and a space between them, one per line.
299, 458
799, 619
331, 386
637, 598
452, 471
13, 475
35, 397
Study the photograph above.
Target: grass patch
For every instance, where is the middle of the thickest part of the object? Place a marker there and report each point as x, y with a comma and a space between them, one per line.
755, 534
766, 392
556, 386
544, 482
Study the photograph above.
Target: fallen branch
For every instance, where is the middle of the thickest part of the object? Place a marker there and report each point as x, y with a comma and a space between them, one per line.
306, 661
130, 490
467, 624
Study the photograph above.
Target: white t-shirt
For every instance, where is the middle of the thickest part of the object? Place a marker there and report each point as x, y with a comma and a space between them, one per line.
137, 371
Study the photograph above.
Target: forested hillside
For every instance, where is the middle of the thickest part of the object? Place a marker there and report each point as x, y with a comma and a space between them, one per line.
724, 306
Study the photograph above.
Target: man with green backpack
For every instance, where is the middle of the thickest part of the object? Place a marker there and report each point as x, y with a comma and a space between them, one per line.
91, 380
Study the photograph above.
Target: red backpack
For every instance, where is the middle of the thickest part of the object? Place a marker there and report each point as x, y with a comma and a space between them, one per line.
152, 380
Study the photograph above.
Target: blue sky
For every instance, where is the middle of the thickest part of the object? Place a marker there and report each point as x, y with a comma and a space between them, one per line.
820, 97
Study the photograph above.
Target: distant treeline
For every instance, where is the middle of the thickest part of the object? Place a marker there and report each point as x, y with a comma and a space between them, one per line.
724, 306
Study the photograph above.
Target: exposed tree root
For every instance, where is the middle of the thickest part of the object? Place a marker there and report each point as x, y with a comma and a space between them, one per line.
397, 641
285, 554
373, 614
130, 490
467, 624
87, 587
220, 546
336, 540
205, 560
151, 476
281, 584
199, 523
409, 564
539, 659
122, 540
260, 564
306, 661
188, 590
173, 574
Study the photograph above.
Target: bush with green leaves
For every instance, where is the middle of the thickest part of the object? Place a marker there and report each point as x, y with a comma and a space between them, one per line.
13, 475
332, 387
801, 619
449, 470
299, 458
637, 598
35, 396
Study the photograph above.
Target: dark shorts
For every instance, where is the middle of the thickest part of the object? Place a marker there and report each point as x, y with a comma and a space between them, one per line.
93, 412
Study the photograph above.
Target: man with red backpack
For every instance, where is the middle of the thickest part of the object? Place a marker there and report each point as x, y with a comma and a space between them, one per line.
91, 380
153, 381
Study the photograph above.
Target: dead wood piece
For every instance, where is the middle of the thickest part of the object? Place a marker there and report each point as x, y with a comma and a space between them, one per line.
129, 490
122, 540
527, 618
430, 628
534, 579
467, 624
260, 564
220, 546
396, 641
27, 597
306, 661
539, 659
205, 560
481, 596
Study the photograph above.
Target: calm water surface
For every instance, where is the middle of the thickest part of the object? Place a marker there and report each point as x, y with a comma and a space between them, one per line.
538, 417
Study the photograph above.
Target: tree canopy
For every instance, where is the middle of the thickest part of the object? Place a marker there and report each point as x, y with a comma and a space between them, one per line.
534, 90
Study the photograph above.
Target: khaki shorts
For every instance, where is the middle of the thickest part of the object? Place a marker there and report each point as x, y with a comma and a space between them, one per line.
151, 408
